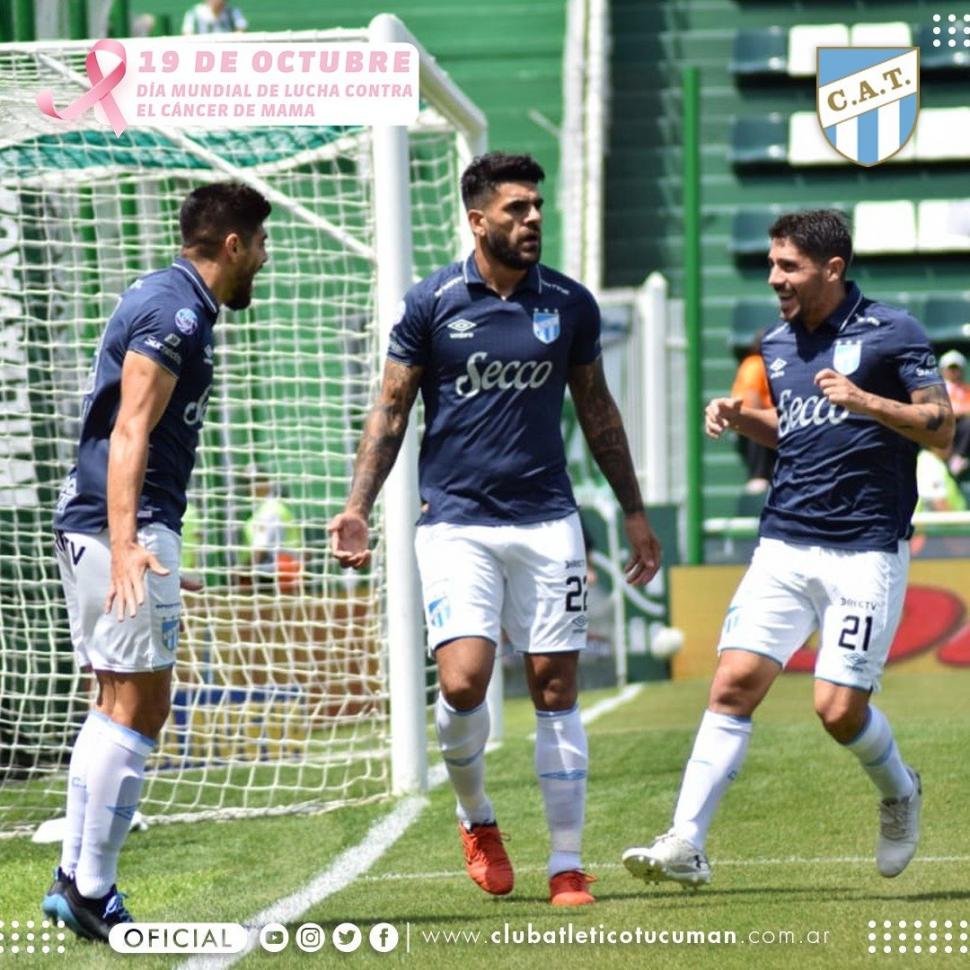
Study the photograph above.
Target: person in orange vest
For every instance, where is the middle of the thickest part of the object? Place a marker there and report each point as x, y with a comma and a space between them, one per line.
751, 387
952, 365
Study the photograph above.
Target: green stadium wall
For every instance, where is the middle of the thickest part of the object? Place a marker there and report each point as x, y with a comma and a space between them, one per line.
505, 54
652, 43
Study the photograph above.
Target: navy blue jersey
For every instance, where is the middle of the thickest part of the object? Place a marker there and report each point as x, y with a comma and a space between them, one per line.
844, 480
168, 317
495, 373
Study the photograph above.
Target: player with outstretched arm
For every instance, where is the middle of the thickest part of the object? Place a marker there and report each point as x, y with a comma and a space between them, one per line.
117, 529
491, 342
856, 392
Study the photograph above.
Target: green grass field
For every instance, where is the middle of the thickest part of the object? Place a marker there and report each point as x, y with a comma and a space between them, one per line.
791, 851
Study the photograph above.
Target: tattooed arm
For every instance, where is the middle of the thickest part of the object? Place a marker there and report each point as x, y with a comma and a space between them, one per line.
602, 427
927, 419
379, 445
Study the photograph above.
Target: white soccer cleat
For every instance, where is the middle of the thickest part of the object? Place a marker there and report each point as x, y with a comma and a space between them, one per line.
670, 857
899, 829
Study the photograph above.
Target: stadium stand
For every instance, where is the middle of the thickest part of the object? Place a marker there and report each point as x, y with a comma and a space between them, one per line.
749, 230
750, 316
760, 141
884, 227
803, 39
942, 57
947, 318
760, 53
771, 52
942, 135
759, 153
879, 227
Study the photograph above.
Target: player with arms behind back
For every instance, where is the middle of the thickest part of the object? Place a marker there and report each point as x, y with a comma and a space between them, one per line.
856, 392
492, 342
117, 529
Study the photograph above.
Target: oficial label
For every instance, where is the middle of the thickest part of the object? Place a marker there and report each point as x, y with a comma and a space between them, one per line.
214, 938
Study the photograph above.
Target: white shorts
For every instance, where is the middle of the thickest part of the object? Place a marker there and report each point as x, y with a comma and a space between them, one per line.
528, 580
855, 600
146, 641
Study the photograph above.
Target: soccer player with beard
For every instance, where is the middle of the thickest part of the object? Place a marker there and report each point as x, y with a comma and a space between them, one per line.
856, 393
492, 341
119, 518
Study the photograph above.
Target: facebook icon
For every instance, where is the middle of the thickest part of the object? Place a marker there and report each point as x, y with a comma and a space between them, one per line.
383, 937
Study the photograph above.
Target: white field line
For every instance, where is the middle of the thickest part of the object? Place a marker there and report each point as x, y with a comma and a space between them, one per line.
606, 705
352, 863
754, 863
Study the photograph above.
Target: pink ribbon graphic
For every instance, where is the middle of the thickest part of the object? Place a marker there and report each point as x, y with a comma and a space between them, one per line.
101, 88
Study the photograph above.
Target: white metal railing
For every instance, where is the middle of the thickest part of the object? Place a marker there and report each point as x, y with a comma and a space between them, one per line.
741, 526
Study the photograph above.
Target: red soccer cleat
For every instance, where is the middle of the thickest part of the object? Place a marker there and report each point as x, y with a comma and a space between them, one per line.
486, 859
569, 888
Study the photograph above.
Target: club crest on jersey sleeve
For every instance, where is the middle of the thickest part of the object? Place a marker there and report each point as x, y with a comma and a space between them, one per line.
545, 325
186, 320
846, 356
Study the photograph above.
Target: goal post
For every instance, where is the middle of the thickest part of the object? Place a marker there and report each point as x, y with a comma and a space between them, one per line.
303, 688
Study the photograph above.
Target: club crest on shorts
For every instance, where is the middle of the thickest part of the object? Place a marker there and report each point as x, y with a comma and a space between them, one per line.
439, 612
867, 100
846, 355
545, 325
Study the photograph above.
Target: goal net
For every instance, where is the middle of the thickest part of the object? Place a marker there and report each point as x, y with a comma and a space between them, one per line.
281, 700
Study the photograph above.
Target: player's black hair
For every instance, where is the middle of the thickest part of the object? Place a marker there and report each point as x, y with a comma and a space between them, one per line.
211, 212
819, 233
487, 172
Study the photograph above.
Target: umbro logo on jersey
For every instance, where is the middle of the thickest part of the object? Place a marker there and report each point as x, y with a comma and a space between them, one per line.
462, 329
872, 321
777, 368
207, 354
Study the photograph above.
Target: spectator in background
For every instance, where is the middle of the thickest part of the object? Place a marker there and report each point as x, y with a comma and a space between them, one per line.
213, 17
751, 388
938, 491
271, 537
952, 365
191, 539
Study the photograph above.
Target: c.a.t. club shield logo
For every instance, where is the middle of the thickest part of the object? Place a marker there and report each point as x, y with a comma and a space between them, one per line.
545, 325
868, 100
846, 355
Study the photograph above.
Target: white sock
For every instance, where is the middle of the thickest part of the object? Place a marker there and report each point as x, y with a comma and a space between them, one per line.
719, 750
87, 742
114, 780
461, 737
562, 759
876, 750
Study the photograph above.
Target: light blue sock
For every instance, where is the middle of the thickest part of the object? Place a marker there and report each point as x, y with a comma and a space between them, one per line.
876, 749
562, 761
462, 736
114, 781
